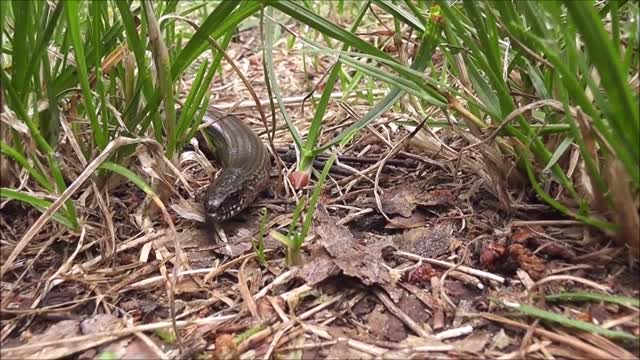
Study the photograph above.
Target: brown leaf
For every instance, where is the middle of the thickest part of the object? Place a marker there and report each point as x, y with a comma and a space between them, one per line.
342, 350
475, 342
351, 258
417, 219
529, 262
426, 241
553, 249
438, 197
386, 326
401, 201
527, 236
522, 234
319, 269
491, 254
226, 348
414, 308
422, 275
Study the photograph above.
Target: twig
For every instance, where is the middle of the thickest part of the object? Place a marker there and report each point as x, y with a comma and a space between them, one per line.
401, 315
466, 269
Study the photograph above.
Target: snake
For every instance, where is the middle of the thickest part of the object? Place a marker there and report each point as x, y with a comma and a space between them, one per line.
244, 162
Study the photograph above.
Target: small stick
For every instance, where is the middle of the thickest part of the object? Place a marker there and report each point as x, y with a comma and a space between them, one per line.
463, 268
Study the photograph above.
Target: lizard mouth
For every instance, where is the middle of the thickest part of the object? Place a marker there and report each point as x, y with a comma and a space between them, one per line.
228, 209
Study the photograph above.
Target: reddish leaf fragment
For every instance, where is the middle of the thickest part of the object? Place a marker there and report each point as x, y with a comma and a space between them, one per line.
529, 262
226, 348
422, 275
299, 179
491, 254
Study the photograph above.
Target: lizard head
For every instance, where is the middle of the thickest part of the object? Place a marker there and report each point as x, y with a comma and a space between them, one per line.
226, 196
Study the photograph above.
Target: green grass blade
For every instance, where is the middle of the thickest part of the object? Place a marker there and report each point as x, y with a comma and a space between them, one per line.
326, 27
606, 58
591, 296
129, 175
40, 48
164, 78
20, 57
269, 32
571, 323
400, 14
24, 163
72, 11
564, 145
40, 204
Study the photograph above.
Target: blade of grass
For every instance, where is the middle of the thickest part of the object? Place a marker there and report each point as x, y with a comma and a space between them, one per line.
269, 32
24, 163
326, 27
40, 204
624, 110
72, 11
40, 141
591, 296
571, 323
165, 81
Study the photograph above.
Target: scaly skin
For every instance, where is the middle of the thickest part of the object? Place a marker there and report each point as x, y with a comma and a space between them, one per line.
245, 167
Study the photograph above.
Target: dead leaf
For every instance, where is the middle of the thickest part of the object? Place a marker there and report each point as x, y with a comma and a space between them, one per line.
417, 219
422, 275
190, 210
351, 258
343, 351
426, 241
438, 197
414, 308
385, 326
501, 340
529, 262
524, 233
401, 201
474, 343
226, 348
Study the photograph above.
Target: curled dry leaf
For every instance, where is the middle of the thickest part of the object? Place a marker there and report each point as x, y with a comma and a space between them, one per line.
401, 201
438, 197
416, 220
524, 233
190, 210
299, 179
